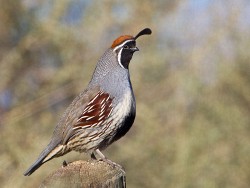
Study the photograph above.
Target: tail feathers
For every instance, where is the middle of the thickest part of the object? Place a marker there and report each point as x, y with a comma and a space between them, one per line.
45, 156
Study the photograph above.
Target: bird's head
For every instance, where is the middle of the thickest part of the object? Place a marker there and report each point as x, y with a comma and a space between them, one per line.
125, 46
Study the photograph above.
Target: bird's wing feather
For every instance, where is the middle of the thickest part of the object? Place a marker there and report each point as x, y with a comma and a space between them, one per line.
92, 115
96, 111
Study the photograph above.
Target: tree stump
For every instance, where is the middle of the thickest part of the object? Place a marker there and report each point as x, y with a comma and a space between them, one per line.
86, 174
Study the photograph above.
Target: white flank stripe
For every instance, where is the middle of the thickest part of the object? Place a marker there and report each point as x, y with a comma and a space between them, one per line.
89, 118
110, 112
100, 118
90, 110
91, 107
94, 98
75, 128
93, 124
86, 109
103, 106
102, 101
102, 110
83, 117
101, 113
108, 98
53, 152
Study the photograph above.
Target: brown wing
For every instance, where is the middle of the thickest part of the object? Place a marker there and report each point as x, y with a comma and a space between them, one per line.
93, 115
96, 111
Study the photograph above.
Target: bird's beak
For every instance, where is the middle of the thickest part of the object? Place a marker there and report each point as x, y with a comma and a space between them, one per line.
134, 49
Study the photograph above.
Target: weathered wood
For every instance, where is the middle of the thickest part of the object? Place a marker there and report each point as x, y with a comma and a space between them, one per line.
86, 174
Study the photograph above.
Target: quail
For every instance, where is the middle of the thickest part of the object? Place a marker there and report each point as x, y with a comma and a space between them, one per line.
103, 112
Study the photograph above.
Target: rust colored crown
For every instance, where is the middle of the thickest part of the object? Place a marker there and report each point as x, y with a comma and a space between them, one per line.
121, 39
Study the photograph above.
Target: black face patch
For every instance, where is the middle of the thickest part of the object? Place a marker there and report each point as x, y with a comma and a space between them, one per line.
129, 45
125, 53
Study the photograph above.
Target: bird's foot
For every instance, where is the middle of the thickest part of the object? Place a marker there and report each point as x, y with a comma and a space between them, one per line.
112, 163
65, 163
93, 156
104, 159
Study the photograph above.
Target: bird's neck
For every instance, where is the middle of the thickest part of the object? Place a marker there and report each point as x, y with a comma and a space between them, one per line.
109, 75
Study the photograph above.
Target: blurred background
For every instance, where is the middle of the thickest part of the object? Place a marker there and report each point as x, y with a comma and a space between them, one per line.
191, 79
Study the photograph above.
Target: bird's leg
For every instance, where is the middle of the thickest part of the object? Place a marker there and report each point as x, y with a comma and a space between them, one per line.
104, 159
101, 155
93, 156
65, 163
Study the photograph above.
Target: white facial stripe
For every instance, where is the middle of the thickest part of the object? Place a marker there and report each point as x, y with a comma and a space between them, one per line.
119, 58
121, 44
120, 52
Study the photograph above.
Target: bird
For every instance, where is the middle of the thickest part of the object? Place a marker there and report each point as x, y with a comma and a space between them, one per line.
103, 112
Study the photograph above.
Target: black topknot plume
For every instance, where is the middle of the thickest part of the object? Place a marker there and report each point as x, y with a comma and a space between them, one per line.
145, 31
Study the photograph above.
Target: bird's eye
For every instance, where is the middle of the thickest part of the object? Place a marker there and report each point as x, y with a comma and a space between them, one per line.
125, 47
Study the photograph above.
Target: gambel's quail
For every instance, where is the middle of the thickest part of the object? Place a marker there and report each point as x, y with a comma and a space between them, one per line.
103, 112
